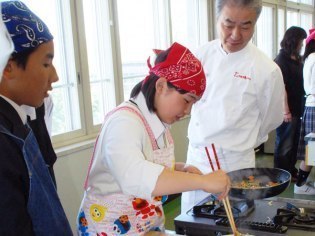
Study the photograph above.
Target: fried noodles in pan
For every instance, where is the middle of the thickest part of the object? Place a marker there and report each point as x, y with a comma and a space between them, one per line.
251, 183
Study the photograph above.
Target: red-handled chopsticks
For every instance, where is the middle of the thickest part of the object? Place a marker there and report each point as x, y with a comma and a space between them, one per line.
226, 201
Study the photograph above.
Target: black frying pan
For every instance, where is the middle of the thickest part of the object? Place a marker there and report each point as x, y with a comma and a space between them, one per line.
263, 175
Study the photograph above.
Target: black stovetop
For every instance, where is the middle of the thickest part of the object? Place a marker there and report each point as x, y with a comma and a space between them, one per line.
252, 217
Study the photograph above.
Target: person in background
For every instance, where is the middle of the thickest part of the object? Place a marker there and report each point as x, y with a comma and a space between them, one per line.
6, 45
243, 100
133, 166
29, 202
287, 134
308, 120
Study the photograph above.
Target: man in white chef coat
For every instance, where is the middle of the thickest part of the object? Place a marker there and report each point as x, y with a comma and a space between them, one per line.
6, 45
243, 100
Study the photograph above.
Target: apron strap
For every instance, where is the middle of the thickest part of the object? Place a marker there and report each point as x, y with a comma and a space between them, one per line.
18, 140
144, 121
43, 195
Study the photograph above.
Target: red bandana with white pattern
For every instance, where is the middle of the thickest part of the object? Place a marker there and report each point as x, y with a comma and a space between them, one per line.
311, 36
182, 69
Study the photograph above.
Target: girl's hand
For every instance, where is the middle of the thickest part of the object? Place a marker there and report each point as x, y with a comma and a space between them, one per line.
183, 167
192, 169
217, 182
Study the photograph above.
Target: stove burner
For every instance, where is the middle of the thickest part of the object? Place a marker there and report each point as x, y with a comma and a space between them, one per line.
295, 217
304, 219
268, 217
215, 209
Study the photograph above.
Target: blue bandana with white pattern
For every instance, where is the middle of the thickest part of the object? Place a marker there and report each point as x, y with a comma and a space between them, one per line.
25, 28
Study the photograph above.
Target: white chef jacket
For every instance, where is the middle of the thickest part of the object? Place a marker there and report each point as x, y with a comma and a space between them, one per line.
309, 79
242, 103
6, 45
120, 164
243, 100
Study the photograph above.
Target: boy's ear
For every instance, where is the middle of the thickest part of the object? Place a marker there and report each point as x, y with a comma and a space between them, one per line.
8, 70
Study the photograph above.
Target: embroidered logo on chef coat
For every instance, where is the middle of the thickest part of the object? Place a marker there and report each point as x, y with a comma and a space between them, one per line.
239, 76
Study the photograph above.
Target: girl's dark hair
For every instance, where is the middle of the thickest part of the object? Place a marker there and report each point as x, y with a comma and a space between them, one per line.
21, 57
148, 88
309, 48
291, 40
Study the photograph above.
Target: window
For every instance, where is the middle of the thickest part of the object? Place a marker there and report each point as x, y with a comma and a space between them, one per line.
301, 19
101, 48
265, 29
66, 117
281, 26
99, 58
137, 38
291, 13
190, 28
309, 2
306, 20
292, 18
156, 24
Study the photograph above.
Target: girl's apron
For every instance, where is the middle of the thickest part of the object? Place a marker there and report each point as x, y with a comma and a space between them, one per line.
44, 207
120, 214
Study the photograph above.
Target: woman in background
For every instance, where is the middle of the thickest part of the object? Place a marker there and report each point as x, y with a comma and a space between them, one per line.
287, 134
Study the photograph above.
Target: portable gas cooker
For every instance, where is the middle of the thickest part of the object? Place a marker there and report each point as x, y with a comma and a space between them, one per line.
273, 216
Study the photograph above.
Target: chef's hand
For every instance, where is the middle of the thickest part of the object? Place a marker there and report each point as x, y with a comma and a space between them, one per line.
218, 182
287, 117
183, 167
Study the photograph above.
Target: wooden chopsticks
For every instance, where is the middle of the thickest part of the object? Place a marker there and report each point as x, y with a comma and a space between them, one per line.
227, 207
226, 201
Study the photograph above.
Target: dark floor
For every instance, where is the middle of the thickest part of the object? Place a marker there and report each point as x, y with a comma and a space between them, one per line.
172, 208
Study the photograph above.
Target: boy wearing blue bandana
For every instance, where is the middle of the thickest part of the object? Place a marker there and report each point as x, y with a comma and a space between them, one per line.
29, 204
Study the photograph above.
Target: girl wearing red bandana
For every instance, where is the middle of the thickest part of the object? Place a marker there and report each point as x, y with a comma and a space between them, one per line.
133, 166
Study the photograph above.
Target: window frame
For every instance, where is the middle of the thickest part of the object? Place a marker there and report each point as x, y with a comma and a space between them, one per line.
88, 130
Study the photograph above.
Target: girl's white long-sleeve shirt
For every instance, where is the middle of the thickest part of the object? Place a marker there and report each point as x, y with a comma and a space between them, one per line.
121, 155
309, 80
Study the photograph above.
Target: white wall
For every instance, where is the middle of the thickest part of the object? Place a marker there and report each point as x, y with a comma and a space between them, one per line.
70, 171
71, 168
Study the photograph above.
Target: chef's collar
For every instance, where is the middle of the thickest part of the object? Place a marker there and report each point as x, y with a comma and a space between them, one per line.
19, 109
157, 126
221, 48
233, 53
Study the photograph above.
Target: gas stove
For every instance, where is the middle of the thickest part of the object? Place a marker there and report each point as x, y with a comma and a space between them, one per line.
273, 216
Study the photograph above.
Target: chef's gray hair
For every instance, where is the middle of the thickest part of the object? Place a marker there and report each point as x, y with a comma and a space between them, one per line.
255, 4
